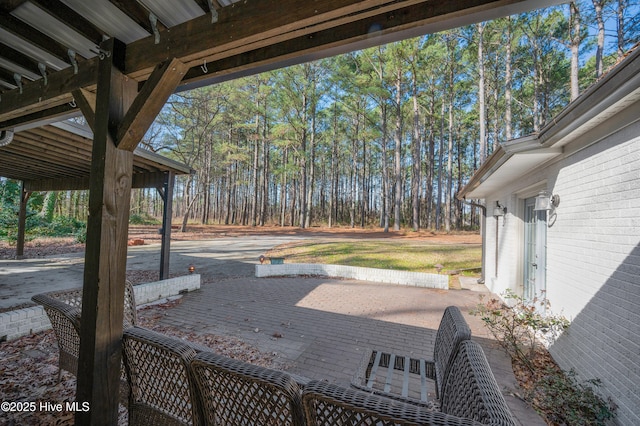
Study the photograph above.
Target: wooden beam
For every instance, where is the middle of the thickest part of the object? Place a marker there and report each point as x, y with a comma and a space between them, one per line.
106, 249
154, 94
58, 88
140, 180
244, 23
86, 101
38, 116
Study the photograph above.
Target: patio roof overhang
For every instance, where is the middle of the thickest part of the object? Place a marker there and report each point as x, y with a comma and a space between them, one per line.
57, 157
607, 106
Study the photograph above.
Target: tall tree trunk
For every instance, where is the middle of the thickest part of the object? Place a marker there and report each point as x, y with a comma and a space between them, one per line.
482, 107
536, 87
440, 169
398, 151
447, 209
265, 172
508, 77
312, 169
415, 156
303, 163
334, 168
574, 32
598, 5
255, 172
431, 161
447, 213
620, 27
386, 184
283, 190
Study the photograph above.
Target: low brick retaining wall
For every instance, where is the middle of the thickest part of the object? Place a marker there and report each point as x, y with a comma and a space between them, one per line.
417, 279
21, 322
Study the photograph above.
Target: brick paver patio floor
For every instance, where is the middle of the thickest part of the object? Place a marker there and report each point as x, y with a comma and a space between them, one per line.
319, 327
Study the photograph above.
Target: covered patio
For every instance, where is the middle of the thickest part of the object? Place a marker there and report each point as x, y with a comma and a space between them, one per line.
117, 63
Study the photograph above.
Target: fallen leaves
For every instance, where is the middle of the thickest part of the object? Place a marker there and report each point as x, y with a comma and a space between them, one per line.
29, 369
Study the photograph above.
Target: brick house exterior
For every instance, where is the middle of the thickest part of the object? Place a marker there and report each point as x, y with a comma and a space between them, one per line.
584, 254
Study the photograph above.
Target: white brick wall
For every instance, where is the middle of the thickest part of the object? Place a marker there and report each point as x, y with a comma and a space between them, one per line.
21, 322
593, 261
14, 324
356, 273
594, 267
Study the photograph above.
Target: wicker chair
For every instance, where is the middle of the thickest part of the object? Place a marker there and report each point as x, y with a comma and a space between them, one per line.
470, 390
64, 309
328, 404
233, 392
162, 391
375, 375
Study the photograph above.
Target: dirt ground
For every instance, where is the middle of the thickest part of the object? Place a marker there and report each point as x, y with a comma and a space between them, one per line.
41, 247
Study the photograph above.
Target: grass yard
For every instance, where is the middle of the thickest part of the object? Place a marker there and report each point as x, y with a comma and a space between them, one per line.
397, 254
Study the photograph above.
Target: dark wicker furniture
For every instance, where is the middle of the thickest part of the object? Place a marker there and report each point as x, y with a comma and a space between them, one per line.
162, 391
328, 404
470, 390
64, 309
233, 392
404, 377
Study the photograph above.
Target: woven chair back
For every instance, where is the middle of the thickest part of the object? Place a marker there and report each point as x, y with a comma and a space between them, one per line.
161, 389
453, 329
471, 389
237, 393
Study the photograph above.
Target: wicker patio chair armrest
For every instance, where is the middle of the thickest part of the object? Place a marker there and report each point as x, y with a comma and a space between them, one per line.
327, 404
162, 390
234, 392
72, 313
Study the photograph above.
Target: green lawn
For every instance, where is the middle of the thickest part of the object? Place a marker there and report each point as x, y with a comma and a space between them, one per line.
399, 255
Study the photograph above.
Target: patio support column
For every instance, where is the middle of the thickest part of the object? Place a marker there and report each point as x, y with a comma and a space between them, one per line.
119, 116
106, 248
22, 221
167, 196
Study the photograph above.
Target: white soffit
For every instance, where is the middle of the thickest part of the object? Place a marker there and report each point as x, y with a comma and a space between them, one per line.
514, 168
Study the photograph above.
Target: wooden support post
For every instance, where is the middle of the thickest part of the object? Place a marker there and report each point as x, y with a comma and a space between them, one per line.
106, 248
117, 111
22, 221
165, 250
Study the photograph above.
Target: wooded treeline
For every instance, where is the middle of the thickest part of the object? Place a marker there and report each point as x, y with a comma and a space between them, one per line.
384, 136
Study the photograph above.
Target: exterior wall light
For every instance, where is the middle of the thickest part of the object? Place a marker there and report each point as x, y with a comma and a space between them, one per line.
546, 201
499, 210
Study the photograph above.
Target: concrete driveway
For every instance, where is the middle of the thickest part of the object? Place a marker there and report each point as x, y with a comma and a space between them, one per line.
216, 258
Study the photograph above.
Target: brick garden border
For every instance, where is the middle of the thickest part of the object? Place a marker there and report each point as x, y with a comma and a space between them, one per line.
417, 279
22, 322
